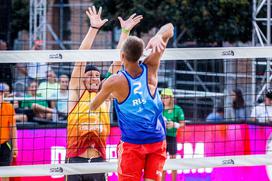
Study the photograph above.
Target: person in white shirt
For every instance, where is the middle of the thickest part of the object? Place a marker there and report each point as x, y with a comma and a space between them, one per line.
38, 70
51, 86
61, 104
263, 112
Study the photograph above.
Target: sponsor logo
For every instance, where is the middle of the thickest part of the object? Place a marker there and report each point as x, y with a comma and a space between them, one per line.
91, 127
228, 162
228, 53
192, 150
56, 170
55, 56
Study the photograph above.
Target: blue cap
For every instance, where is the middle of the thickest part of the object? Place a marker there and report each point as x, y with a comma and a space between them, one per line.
2, 88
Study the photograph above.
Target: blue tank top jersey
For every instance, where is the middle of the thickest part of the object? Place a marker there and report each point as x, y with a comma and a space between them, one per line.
140, 114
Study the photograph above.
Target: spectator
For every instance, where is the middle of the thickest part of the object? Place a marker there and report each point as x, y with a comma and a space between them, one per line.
18, 116
40, 108
62, 97
238, 105
21, 79
37, 71
263, 112
3, 45
8, 132
6, 90
174, 117
48, 88
217, 116
5, 69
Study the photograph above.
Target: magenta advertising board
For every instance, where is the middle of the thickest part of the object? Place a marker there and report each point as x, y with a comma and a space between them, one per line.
45, 146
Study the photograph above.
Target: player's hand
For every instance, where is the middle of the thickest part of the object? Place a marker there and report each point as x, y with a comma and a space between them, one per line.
170, 124
130, 22
156, 44
95, 17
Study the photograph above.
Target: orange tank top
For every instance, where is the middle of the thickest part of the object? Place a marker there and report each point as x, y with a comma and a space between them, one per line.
87, 129
7, 121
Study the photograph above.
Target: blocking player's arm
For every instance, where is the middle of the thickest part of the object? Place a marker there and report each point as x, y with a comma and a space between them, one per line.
95, 23
76, 83
126, 27
158, 44
104, 93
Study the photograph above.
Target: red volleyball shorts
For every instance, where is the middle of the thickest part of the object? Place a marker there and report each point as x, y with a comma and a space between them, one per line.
134, 158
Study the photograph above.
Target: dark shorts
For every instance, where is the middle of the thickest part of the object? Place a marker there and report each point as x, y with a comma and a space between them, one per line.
171, 145
5, 154
86, 177
28, 112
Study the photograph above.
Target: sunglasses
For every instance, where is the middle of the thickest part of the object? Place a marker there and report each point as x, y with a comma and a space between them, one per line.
165, 97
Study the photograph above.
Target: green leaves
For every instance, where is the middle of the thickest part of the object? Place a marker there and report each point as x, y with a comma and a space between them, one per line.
20, 16
206, 21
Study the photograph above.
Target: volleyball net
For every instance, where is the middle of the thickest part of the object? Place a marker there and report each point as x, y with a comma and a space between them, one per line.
222, 91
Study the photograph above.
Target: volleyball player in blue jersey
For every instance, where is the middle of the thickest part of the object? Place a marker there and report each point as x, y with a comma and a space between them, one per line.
139, 108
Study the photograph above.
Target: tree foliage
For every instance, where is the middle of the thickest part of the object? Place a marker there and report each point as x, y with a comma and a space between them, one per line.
20, 17
205, 21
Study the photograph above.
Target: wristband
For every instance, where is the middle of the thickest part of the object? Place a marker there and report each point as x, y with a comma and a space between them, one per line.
108, 74
125, 30
94, 27
176, 125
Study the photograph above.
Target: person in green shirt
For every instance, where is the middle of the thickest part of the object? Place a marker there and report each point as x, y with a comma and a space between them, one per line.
174, 118
39, 107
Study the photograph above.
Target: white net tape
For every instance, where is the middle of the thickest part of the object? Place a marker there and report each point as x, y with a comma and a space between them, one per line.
171, 164
110, 55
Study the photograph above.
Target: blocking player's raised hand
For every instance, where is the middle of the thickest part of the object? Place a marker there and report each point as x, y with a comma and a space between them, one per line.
130, 22
95, 17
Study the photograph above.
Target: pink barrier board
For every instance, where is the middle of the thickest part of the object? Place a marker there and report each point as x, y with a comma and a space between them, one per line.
45, 146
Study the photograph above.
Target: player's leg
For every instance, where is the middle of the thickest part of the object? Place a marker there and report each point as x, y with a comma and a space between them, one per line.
155, 161
172, 149
131, 160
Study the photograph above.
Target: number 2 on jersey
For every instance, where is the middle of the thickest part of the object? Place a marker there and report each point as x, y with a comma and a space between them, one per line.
137, 88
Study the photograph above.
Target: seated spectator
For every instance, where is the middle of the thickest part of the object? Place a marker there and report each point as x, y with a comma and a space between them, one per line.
238, 105
62, 97
48, 88
40, 107
21, 80
263, 112
217, 116
36, 70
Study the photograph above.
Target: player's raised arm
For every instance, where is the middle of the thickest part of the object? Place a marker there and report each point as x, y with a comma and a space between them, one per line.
126, 27
157, 44
76, 84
